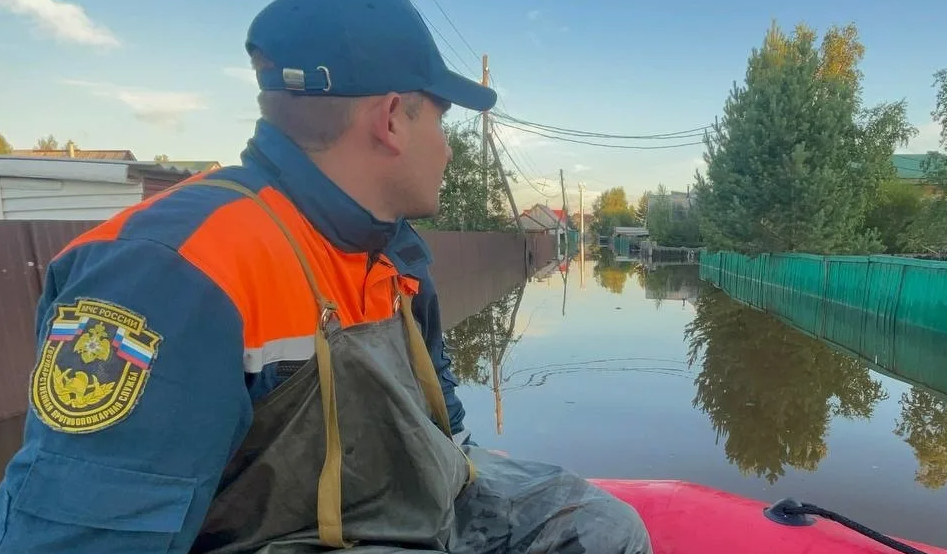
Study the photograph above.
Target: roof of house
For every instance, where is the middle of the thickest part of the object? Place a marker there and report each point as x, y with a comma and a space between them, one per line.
545, 215
631, 231
79, 154
94, 170
531, 225
908, 166
676, 197
192, 166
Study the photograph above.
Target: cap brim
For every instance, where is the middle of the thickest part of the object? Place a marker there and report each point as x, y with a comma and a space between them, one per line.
464, 92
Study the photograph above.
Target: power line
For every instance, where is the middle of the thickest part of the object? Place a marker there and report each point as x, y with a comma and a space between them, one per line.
469, 47
529, 163
496, 86
599, 144
449, 45
506, 150
456, 30
470, 119
592, 134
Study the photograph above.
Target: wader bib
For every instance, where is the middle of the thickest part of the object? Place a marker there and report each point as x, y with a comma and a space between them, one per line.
345, 454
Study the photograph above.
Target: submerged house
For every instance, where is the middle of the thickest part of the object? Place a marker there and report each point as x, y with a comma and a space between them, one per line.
911, 169
545, 220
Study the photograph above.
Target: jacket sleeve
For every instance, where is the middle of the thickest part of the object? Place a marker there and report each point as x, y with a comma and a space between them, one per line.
137, 402
428, 313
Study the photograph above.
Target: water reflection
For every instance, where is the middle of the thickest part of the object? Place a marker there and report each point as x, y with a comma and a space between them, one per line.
650, 374
923, 425
770, 391
630, 370
483, 340
609, 273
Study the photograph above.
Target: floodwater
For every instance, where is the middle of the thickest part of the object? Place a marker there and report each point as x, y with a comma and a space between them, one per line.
623, 371
617, 370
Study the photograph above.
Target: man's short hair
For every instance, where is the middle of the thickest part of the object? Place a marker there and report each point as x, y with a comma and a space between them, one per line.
315, 123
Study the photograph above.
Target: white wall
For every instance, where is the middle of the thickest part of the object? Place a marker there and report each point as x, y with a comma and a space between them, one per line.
64, 189
31, 198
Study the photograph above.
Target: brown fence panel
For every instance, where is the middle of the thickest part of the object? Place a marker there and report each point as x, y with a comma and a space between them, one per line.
19, 290
26, 247
472, 270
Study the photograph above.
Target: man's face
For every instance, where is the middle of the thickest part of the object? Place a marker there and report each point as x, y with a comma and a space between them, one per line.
426, 160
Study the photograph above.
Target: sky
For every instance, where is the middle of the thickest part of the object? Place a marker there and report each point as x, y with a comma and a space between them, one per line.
172, 77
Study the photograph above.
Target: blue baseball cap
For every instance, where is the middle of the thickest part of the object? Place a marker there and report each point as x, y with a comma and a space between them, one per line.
356, 48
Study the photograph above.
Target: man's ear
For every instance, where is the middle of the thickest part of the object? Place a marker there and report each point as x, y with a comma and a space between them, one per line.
388, 122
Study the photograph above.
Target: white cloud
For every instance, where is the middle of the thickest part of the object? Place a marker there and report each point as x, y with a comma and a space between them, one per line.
67, 22
927, 139
579, 168
533, 15
241, 73
516, 139
588, 197
161, 108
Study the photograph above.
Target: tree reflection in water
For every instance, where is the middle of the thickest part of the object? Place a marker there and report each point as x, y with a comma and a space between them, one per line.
484, 338
923, 425
769, 389
608, 273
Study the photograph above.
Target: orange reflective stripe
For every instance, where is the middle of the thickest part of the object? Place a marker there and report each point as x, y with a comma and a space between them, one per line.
242, 250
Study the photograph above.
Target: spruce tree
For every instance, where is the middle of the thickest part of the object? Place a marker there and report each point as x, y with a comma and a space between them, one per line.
792, 162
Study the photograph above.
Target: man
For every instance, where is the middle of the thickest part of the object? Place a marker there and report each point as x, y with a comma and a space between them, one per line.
236, 365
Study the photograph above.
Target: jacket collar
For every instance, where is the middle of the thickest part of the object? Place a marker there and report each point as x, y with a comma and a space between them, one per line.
338, 217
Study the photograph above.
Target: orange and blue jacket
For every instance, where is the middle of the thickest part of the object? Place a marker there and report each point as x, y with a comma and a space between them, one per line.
159, 329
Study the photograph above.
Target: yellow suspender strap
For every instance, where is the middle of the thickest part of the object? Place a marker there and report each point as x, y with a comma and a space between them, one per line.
427, 377
329, 510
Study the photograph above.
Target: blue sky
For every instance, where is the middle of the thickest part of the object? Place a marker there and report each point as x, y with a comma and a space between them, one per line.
172, 77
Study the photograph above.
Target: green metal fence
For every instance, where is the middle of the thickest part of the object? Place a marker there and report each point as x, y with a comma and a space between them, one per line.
889, 310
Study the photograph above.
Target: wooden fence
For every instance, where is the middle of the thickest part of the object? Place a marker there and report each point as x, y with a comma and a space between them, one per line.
891, 311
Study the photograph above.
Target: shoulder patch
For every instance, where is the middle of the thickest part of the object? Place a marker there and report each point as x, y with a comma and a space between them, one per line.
93, 366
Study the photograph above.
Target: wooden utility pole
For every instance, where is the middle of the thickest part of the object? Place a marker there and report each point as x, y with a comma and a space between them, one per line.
581, 237
565, 209
506, 186
486, 134
581, 213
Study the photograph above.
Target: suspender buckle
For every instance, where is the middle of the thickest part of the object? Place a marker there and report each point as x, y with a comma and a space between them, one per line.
328, 312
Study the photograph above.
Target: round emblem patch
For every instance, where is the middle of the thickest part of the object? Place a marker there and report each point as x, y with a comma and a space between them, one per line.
93, 366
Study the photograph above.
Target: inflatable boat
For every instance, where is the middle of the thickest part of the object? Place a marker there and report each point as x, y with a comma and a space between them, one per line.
686, 518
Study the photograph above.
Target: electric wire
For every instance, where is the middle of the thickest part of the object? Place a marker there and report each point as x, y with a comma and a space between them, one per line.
688, 133
599, 144
519, 169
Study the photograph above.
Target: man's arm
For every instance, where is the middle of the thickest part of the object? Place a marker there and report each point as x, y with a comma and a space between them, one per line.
428, 313
137, 402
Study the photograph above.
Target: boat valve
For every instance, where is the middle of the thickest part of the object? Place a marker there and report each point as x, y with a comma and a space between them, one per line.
777, 512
